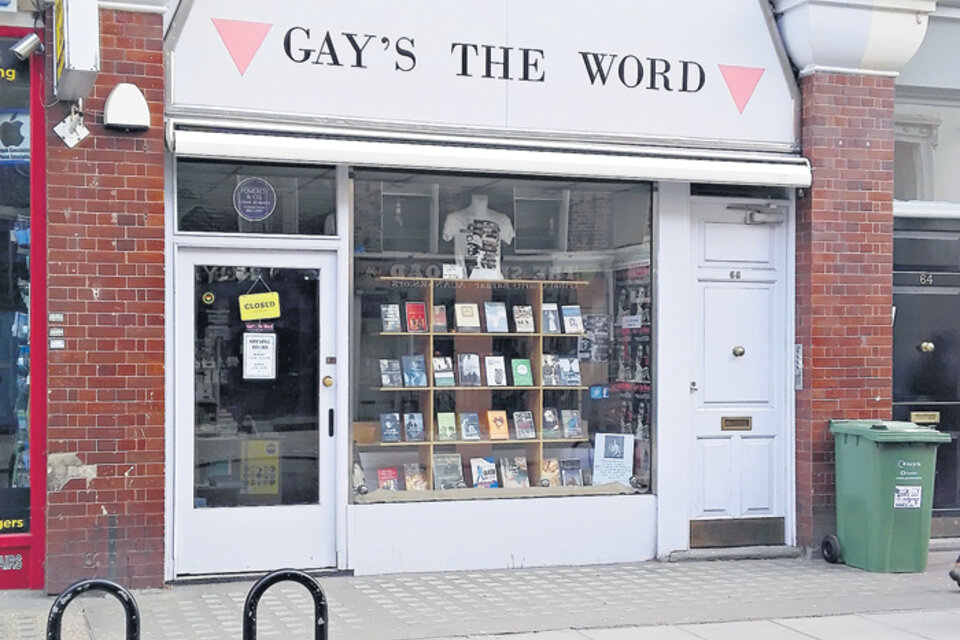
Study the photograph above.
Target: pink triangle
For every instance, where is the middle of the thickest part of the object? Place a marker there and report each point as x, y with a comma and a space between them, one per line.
741, 81
242, 39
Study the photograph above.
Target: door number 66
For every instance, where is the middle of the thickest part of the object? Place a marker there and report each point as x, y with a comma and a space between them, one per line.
734, 275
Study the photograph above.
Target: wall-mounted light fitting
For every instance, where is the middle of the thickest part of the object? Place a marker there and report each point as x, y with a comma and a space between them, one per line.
27, 45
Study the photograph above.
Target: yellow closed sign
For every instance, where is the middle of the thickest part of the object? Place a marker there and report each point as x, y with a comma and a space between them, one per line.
260, 306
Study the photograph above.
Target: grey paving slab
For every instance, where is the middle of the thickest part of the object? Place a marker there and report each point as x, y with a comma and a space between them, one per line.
639, 633
846, 627
930, 625
766, 629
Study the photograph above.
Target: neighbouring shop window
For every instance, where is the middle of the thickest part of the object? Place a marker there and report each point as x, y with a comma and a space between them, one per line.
14, 291
502, 337
927, 152
232, 197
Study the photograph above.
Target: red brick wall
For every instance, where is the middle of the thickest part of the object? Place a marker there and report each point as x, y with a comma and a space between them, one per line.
105, 202
844, 276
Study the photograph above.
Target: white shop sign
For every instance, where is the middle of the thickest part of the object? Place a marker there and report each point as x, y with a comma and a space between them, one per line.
691, 72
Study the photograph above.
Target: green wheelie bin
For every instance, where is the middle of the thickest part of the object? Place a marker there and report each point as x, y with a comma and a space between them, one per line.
884, 474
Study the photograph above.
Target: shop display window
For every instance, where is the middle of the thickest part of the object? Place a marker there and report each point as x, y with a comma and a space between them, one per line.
502, 337
14, 293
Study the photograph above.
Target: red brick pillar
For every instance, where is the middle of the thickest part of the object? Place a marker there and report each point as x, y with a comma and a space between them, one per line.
105, 203
844, 276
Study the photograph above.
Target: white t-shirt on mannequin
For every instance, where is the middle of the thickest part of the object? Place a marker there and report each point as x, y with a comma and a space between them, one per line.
477, 233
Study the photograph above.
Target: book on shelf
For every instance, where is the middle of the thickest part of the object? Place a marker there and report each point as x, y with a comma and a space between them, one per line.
513, 471
390, 318
550, 427
570, 420
571, 475
523, 318
439, 318
484, 472
496, 371
416, 313
467, 315
413, 427
443, 372
468, 366
550, 370
495, 314
497, 425
390, 373
572, 320
447, 471
414, 371
415, 476
550, 471
388, 479
446, 425
550, 318
522, 374
389, 427
469, 425
524, 426
569, 371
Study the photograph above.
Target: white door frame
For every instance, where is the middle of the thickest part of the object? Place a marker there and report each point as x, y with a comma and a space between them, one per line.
674, 318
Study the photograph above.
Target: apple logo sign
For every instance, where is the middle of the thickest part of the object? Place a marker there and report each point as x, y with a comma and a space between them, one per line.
10, 132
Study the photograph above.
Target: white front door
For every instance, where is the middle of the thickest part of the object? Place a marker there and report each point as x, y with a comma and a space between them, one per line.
254, 458
739, 377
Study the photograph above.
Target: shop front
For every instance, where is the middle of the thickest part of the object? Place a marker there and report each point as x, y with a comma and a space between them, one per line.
477, 285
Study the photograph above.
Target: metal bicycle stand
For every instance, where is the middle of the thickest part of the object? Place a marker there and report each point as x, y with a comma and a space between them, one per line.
55, 619
284, 575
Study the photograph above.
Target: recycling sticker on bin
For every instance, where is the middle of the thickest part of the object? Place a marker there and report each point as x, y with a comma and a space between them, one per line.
907, 497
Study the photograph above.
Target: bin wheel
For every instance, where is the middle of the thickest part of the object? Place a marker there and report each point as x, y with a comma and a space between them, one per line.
830, 548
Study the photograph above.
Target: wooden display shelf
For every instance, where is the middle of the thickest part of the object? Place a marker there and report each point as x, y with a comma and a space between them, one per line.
471, 334
485, 388
489, 284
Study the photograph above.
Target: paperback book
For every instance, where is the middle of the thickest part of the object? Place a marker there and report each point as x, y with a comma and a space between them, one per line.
470, 425
447, 471
571, 475
390, 318
522, 375
415, 476
569, 371
496, 316
468, 365
390, 374
513, 471
413, 427
551, 423
497, 425
467, 315
572, 320
388, 479
550, 322
484, 472
389, 427
439, 318
443, 372
550, 472
496, 371
523, 318
572, 427
414, 371
446, 426
550, 369
416, 313
523, 425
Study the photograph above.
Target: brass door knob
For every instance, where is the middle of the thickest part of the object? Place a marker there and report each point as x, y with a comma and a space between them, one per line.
327, 381
927, 347
738, 351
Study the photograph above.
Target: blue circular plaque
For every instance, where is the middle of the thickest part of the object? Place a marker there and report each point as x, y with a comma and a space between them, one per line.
254, 199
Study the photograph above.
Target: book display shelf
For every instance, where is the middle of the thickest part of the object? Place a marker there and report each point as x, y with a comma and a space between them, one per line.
492, 375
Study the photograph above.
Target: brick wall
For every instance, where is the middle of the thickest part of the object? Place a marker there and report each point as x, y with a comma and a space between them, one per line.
844, 276
105, 274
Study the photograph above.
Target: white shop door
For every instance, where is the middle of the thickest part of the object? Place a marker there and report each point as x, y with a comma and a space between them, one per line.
739, 377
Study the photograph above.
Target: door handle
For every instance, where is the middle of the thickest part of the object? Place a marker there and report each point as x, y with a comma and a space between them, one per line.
330, 422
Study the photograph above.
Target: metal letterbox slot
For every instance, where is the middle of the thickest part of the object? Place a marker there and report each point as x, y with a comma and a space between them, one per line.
925, 417
740, 423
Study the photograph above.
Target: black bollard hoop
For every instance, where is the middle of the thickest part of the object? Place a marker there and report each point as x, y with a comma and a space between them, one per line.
55, 619
284, 575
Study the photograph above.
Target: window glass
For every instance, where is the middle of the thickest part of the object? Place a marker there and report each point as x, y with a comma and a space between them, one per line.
502, 339
14, 292
927, 152
232, 197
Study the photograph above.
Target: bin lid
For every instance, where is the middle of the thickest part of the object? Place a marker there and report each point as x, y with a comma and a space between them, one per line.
888, 431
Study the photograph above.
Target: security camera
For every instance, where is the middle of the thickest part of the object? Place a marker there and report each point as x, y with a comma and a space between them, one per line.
27, 45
